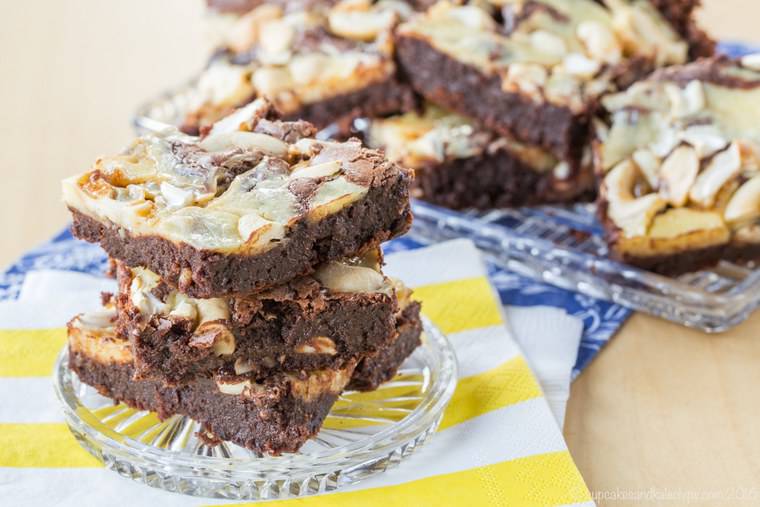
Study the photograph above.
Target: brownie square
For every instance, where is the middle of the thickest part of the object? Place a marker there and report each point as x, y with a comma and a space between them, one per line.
679, 167
459, 164
342, 313
253, 204
270, 416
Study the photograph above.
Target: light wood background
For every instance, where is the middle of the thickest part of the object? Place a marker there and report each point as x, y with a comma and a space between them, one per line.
663, 410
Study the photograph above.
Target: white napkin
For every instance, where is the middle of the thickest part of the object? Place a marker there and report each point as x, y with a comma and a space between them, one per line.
549, 338
75, 293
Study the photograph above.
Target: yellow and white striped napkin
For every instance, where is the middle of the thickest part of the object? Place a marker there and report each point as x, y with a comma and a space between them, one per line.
498, 443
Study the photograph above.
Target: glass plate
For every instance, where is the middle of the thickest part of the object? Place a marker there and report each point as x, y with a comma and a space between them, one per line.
364, 434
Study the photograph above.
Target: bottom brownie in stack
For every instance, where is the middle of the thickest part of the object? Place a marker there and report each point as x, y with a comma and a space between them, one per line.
268, 398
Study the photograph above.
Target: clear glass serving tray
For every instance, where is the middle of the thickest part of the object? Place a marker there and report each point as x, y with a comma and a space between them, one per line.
364, 434
564, 246
559, 245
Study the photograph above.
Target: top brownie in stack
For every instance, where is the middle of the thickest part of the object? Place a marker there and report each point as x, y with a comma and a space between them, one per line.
534, 70
323, 62
679, 162
253, 204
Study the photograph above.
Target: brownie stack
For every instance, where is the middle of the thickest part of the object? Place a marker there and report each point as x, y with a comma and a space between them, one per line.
250, 293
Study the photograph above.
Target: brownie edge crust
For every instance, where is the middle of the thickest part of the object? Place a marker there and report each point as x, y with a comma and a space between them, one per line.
381, 367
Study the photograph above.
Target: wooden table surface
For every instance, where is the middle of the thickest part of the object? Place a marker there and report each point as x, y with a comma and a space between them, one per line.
662, 412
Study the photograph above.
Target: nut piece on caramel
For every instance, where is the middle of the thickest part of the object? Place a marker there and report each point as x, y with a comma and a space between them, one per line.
723, 167
631, 214
745, 203
233, 388
341, 277
677, 174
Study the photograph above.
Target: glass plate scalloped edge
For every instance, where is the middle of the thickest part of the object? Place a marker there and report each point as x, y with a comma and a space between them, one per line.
564, 246
174, 459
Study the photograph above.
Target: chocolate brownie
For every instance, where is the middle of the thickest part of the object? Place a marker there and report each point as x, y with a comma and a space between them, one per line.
324, 62
270, 416
248, 207
343, 312
534, 70
459, 164
679, 167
